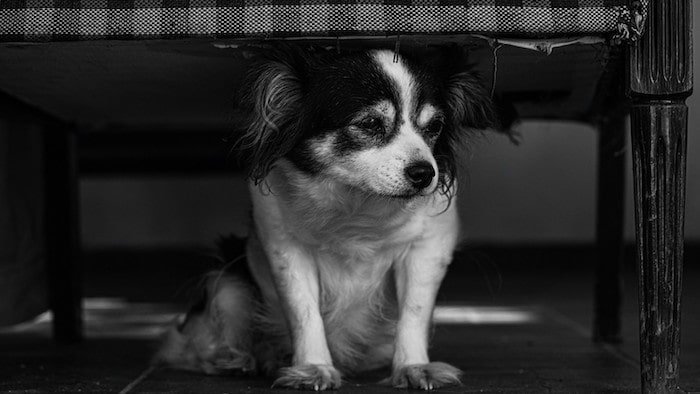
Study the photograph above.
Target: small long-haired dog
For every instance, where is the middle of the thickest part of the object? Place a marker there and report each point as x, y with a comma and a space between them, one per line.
352, 165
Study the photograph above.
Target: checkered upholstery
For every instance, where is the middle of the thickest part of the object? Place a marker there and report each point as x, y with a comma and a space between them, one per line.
68, 20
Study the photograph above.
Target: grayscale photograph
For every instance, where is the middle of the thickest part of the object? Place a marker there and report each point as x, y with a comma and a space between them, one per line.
355, 196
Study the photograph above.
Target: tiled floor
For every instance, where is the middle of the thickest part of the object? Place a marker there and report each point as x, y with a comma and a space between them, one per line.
525, 328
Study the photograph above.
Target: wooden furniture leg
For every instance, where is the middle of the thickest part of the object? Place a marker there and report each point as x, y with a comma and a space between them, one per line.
609, 229
660, 80
62, 233
60, 224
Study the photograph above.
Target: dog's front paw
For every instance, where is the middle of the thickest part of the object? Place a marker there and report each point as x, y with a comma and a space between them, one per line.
425, 376
309, 377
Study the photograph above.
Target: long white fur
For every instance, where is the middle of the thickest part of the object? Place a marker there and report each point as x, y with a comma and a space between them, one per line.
327, 254
393, 66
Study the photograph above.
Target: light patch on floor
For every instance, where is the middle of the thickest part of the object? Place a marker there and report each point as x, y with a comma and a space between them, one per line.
109, 318
118, 318
461, 314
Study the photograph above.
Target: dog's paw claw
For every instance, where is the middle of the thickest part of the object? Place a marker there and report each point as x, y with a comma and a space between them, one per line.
424, 376
315, 377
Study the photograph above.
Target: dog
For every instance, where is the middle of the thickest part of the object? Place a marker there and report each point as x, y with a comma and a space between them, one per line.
352, 162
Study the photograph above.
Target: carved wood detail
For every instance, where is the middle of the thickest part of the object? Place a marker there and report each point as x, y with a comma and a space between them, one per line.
661, 62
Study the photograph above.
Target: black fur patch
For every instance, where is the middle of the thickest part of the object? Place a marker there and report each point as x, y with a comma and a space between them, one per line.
341, 88
336, 89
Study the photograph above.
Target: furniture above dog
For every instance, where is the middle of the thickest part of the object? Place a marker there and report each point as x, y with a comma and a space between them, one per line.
106, 70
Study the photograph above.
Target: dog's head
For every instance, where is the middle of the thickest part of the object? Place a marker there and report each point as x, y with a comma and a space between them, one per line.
385, 124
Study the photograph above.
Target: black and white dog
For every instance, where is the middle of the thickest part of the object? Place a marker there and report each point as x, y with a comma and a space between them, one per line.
352, 166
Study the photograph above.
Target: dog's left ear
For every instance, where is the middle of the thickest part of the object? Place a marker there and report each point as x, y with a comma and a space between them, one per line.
467, 99
469, 108
470, 104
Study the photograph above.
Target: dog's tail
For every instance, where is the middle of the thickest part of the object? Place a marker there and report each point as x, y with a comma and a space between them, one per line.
214, 336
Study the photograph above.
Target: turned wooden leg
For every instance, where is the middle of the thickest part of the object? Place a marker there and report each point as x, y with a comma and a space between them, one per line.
660, 80
610, 229
659, 146
62, 233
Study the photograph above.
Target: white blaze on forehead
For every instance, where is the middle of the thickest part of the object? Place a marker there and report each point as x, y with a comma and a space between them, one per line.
397, 72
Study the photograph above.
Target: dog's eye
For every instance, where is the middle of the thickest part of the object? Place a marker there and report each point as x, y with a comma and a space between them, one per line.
434, 128
372, 124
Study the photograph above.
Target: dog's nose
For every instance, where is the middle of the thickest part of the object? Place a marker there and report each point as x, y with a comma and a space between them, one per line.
420, 174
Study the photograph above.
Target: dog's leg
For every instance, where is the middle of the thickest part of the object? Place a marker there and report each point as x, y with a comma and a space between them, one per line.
418, 278
296, 278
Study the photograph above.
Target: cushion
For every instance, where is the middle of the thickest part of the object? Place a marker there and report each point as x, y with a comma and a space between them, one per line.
70, 20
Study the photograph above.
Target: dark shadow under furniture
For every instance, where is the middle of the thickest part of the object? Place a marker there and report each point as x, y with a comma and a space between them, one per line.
657, 72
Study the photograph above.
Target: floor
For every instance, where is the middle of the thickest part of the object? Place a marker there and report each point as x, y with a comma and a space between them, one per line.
516, 320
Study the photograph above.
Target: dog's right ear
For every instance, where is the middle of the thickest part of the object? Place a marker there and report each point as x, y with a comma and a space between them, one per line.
269, 108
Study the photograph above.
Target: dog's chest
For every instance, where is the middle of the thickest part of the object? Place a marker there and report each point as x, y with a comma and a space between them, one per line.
340, 226
358, 235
